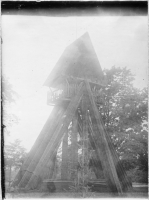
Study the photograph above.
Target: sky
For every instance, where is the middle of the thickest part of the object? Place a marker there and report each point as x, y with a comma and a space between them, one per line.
33, 44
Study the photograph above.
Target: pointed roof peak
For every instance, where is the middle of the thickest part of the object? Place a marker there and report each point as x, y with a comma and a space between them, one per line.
83, 37
86, 34
78, 60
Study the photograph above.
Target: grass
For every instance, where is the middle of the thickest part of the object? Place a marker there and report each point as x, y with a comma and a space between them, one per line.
139, 191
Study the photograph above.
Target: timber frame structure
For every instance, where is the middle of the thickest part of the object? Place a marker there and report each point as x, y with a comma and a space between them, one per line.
75, 85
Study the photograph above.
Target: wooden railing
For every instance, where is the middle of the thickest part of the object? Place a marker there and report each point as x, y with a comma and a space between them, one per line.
53, 97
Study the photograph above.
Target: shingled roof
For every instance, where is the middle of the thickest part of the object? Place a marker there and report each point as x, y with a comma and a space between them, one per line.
79, 59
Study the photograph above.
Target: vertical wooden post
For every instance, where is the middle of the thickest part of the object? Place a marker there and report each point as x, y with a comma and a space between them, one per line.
95, 157
52, 167
74, 148
64, 166
84, 140
49, 169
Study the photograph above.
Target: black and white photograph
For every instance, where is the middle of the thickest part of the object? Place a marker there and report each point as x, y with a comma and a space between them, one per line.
74, 100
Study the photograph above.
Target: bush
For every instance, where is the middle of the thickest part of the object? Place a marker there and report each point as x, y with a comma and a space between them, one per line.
138, 176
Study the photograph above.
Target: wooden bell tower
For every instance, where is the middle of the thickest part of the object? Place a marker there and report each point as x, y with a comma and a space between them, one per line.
75, 90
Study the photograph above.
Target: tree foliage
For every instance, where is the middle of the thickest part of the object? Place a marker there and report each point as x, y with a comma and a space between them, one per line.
8, 98
125, 114
14, 155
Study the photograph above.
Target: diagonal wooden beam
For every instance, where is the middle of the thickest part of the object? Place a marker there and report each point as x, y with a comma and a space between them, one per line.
49, 132
126, 183
36, 150
103, 148
59, 132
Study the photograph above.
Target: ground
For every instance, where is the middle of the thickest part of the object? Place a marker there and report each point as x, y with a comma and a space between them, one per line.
138, 192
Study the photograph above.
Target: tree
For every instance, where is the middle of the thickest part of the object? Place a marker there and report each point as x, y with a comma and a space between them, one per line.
125, 113
8, 98
14, 155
